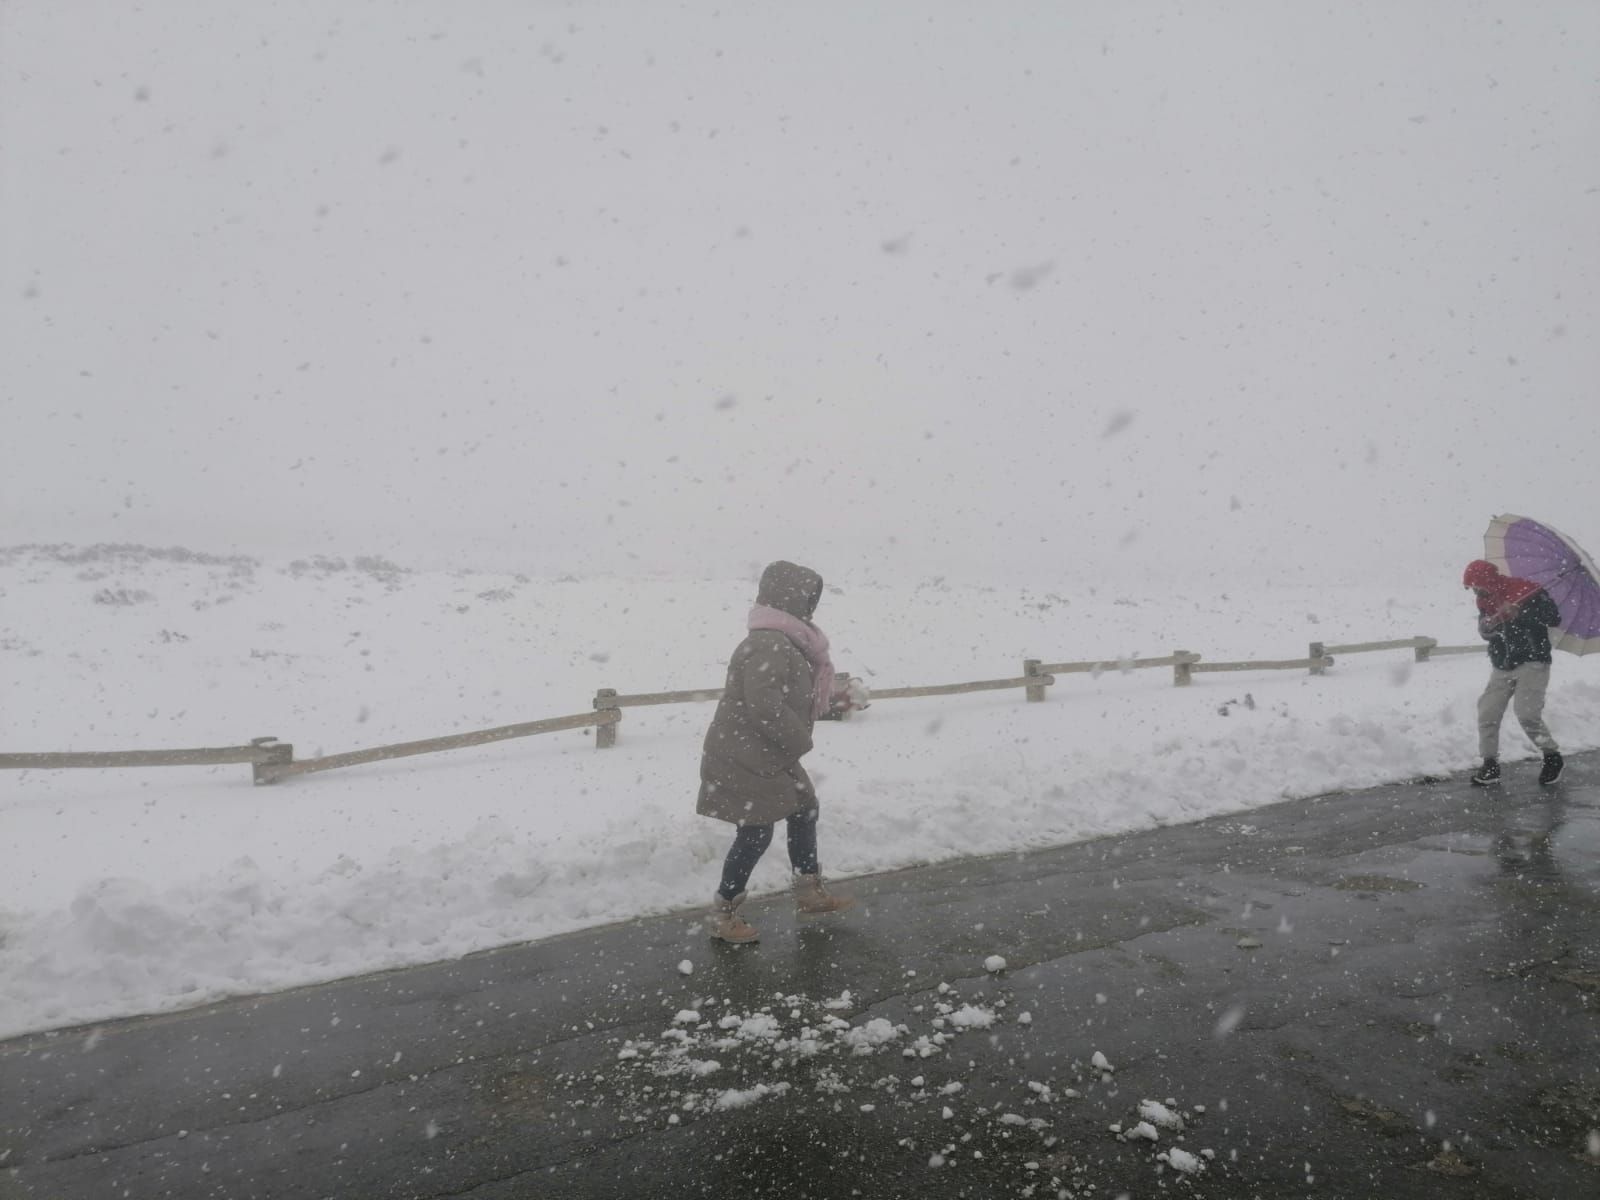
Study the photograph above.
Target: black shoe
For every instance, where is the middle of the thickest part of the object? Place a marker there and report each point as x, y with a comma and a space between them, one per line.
1551, 771
1488, 774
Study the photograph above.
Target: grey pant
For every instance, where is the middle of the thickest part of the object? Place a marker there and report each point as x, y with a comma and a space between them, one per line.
1523, 688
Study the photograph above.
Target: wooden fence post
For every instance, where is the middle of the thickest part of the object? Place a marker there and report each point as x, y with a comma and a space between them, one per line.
1425, 647
1182, 674
605, 736
278, 753
1317, 653
1030, 668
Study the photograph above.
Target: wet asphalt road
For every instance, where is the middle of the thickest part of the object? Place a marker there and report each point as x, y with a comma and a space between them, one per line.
1387, 993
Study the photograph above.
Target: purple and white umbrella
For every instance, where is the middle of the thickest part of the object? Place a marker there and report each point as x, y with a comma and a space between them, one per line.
1531, 550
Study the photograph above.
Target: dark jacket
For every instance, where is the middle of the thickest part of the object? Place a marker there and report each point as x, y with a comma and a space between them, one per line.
1525, 638
750, 772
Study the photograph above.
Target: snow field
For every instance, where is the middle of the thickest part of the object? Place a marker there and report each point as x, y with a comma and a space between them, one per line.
145, 890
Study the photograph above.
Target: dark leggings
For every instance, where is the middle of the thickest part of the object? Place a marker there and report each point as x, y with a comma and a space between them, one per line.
751, 842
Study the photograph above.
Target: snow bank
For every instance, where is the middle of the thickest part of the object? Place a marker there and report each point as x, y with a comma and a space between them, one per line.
140, 891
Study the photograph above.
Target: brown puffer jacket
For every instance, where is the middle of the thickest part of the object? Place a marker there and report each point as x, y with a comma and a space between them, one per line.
750, 772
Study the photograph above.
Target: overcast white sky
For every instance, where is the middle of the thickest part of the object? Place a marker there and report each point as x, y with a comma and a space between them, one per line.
1016, 290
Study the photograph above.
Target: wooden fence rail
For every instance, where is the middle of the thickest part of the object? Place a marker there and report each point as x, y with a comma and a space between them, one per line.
272, 760
1280, 664
260, 751
1178, 660
958, 689
1417, 645
695, 696
609, 700
1107, 666
1318, 649
1422, 648
612, 701
271, 773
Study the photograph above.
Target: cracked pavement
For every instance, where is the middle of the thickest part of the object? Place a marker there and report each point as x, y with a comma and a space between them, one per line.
1390, 992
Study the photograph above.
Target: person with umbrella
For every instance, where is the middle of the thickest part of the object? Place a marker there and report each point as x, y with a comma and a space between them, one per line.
1514, 617
1532, 569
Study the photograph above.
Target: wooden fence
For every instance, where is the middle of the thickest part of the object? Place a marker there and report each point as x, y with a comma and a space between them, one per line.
259, 753
271, 773
1423, 648
271, 760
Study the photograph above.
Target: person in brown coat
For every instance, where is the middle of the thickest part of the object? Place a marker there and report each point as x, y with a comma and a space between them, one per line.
780, 680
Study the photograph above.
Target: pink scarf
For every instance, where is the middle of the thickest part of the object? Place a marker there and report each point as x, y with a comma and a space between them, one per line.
810, 641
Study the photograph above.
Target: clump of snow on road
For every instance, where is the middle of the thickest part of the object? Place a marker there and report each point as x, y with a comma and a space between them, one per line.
793, 1032
790, 1030
743, 1098
1180, 1159
872, 1036
972, 1016
800, 1050
1157, 1119
1160, 1115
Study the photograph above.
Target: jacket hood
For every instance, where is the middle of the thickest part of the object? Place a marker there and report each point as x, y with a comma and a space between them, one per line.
790, 588
1496, 592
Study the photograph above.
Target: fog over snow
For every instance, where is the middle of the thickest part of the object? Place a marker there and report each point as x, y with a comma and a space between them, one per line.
1055, 330
1019, 290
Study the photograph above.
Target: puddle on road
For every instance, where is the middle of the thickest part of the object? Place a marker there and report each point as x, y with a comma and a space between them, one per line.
1584, 981
1374, 1116
1375, 883
1568, 1118
1451, 1164
1517, 1053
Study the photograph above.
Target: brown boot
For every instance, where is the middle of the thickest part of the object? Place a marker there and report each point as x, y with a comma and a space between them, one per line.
726, 923
811, 899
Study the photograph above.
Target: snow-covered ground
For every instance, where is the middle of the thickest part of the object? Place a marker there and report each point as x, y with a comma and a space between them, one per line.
127, 891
